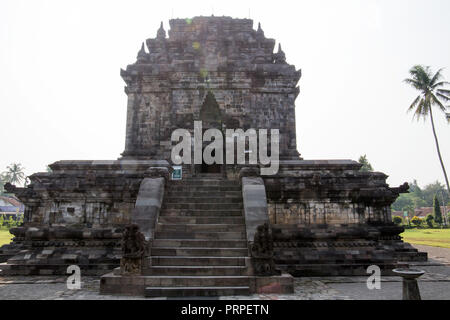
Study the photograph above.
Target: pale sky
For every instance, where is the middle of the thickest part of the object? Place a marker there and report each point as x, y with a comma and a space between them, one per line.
62, 98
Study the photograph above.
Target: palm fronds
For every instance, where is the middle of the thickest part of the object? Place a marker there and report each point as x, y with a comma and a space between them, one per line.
423, 80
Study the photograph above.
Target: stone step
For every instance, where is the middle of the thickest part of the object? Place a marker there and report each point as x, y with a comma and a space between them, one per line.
196, 252
177, 243
197, 261
224, 200
199, 213
186, 188
200, 235
412, 256
204, 175
203, 194
204, 182
201, 220
196, 281
165, 227
203, 206
198, 270
195, 291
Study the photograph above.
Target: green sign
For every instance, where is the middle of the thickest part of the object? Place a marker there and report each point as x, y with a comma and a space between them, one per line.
177, 173
405, 213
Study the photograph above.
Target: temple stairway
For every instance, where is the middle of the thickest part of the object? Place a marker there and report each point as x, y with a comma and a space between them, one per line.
199, 247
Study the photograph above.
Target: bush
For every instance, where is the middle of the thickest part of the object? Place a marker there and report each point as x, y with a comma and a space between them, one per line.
397, 220
429, 219
416, 221
8, 223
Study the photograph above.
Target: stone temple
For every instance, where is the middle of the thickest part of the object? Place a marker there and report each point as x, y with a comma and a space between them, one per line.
221, 229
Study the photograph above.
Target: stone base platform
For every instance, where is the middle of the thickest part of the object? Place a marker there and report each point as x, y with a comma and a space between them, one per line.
51, 250
341, 250
340, 269
183, 286
282, 284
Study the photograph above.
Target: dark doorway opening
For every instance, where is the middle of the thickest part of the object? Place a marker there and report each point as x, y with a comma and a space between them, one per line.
210, 168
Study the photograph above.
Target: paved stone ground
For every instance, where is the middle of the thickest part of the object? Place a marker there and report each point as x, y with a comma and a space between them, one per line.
436, 253
435, 284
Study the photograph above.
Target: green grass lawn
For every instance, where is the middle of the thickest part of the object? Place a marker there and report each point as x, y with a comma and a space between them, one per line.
428, 237
5, 237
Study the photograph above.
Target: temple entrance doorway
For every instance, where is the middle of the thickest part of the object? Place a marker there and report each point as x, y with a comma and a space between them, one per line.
211, 117
210, 168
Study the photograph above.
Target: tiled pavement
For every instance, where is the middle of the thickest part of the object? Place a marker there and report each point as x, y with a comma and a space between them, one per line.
433, 285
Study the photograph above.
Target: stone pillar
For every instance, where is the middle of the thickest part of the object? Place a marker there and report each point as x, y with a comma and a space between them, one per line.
410, 289
410, 286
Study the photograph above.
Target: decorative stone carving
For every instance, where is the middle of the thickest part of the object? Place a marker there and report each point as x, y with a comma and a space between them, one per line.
249, 172
280, 56
134, 250
262, 252
161, 34
142, 56
156, 172
402, 188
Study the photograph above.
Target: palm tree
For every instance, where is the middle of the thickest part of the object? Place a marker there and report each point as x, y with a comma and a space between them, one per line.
14, 173
430, 88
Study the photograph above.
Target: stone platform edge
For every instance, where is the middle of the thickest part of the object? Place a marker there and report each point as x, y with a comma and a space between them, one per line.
135, 285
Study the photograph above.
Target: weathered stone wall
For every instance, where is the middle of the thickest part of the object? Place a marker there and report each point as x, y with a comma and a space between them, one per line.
253, 86
330, 192
326, 212
84, 193
329, 218
76, 215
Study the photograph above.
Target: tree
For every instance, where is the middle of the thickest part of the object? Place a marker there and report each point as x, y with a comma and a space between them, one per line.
415, 189
429, 219
430, 88
14, 173
397, 220
10, 222
433, 189
437, 210
19, 221
413, 199
366, 166
2, 183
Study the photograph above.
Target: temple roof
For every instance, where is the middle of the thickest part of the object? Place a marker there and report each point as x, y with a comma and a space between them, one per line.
211, 44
